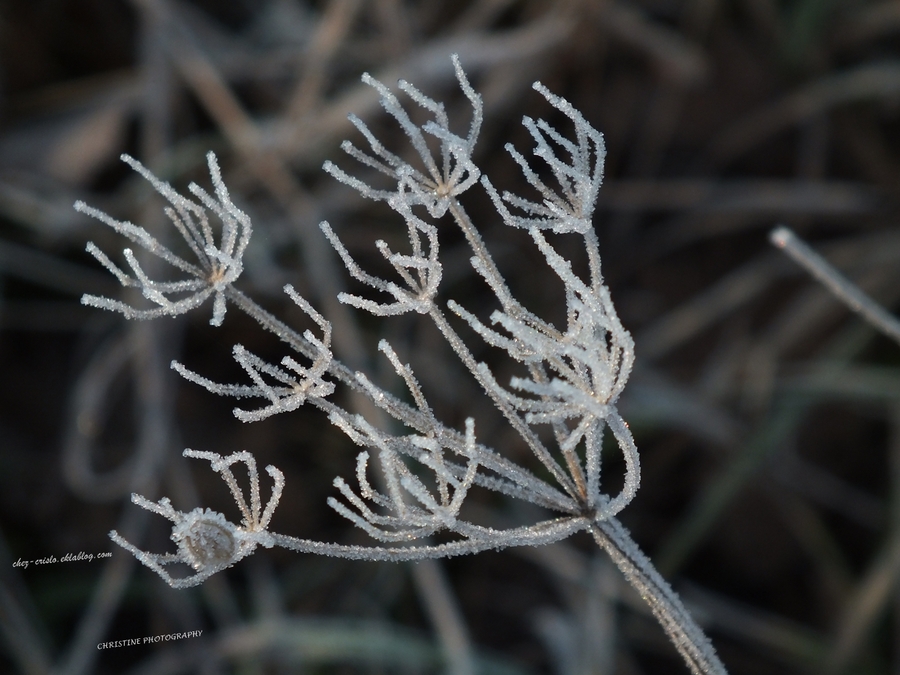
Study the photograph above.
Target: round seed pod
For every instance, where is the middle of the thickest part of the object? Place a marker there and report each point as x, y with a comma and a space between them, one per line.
206, 539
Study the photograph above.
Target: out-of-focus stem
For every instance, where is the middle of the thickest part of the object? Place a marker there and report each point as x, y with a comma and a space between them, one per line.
842, 288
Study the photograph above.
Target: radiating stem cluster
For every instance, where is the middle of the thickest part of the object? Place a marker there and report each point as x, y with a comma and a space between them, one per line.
411, 482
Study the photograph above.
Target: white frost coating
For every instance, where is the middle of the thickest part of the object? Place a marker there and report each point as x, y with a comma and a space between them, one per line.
579, 176
570, 378
435, 184
295, 383
208, 542
216, 268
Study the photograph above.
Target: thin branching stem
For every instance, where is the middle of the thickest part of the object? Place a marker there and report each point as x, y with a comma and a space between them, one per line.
527, 434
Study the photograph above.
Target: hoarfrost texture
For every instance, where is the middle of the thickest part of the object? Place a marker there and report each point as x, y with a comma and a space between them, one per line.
215, 269
573, 375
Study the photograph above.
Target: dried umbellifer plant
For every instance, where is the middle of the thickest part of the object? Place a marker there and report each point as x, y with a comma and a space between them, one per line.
572, 375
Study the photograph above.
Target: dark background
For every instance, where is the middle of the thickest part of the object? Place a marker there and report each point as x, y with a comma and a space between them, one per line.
768, 417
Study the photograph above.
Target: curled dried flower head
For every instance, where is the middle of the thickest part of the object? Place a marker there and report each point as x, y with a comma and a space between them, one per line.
207, 541
440, 180
217, 266
291, 384
420, 272
577, 167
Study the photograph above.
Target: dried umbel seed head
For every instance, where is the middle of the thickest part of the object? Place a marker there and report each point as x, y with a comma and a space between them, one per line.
206, 539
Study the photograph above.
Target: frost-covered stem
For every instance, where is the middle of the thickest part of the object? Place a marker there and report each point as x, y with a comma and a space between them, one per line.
292, 338
514, 480
465, 356
396, 408
573, 463
688, 638
592, 246
477, 245
845, 290
632, 463
540, 534
271, 323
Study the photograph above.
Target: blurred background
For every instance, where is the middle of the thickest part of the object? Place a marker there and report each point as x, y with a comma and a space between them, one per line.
767, 416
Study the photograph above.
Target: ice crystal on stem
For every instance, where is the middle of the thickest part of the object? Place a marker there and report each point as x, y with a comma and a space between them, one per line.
216, 266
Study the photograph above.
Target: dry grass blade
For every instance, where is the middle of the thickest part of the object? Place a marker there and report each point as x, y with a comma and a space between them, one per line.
22, 640
761, 197
870, 81
676, 57
872, 596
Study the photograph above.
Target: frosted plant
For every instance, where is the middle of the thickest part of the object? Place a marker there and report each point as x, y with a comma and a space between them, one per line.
579, 179
571, 381
216, 268
591, 360
296, 383
206, 540
438, 185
